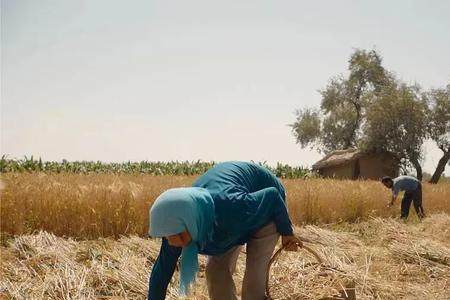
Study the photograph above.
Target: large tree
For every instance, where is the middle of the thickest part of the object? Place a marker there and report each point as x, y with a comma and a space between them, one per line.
396, 121
337, 125
439, 127
369, 109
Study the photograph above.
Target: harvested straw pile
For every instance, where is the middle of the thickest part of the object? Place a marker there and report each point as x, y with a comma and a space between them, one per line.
385, 258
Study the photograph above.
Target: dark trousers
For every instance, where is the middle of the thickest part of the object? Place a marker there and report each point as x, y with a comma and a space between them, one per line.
415, 197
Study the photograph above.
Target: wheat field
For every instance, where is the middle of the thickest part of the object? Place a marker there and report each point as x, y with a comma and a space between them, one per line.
107, 205
72, 236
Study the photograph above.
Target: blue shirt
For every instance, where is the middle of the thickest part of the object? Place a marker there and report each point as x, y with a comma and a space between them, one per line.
246, 197
404, 183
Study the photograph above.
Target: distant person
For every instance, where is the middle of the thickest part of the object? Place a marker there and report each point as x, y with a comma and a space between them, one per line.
232, 204
413, 193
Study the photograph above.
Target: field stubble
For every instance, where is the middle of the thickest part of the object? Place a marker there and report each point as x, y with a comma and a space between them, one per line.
385, 258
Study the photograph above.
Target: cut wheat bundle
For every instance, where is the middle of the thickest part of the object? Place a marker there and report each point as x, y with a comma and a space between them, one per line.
307, 277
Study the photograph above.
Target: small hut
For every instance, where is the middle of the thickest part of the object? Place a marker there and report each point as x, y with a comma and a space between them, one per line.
356, 164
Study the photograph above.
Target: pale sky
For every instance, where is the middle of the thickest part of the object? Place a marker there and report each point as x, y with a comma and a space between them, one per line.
187, 80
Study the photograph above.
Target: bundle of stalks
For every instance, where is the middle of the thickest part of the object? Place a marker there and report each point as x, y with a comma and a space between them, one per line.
410, 244
304, 277
423, 252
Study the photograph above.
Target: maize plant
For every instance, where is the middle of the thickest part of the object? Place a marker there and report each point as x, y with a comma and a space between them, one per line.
30, 164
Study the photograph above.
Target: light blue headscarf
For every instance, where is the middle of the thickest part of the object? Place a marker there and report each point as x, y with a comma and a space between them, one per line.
178, 210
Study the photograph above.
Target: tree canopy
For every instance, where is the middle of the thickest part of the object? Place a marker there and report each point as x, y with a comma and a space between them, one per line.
337, 125
372, 110
397, 122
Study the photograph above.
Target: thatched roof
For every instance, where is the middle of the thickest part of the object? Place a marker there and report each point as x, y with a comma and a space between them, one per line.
337, 158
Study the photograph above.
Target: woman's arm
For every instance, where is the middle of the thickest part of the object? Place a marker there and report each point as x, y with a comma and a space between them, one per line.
163, 270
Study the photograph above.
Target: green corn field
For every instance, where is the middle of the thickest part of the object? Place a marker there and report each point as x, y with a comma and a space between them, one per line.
30, 164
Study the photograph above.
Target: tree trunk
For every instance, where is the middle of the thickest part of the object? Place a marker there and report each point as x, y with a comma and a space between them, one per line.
358, 108
418, 168
440, 167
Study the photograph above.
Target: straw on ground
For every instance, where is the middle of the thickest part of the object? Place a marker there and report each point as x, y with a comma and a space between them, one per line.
386, 258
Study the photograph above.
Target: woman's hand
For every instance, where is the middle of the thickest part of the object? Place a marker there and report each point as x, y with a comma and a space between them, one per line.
291, 242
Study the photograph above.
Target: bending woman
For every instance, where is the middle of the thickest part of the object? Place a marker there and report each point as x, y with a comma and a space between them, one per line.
232, 204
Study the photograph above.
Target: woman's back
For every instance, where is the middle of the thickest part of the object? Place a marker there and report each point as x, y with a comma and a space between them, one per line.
229, 179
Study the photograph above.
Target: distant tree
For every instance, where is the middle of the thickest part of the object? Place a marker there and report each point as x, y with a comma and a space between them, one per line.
337, 125
372, 110
439, 127
396, 121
